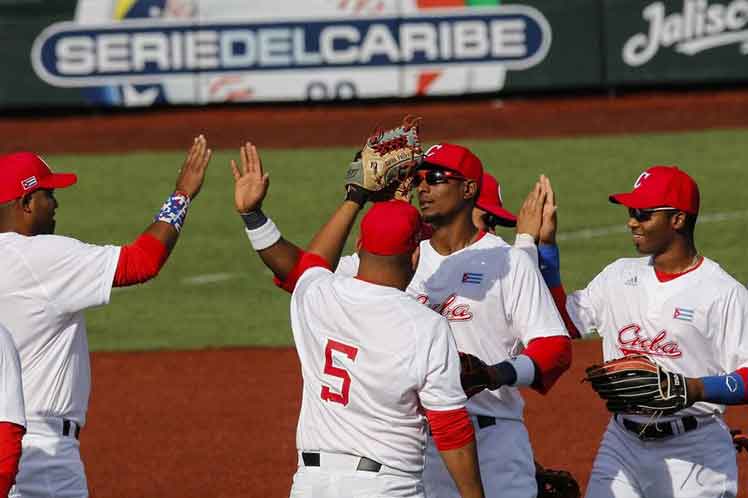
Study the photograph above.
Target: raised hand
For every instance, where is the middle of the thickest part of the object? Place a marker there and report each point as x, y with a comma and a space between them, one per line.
530, 217
549, 223
192, 172
251, 183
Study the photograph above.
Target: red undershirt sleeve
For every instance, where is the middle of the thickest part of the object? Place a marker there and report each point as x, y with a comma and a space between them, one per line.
559, 297
450, 429
140, 261
10, 454
743, 372
306, 260
552, 357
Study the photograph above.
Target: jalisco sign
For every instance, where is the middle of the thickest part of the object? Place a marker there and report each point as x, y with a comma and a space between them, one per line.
699, 26
147, 51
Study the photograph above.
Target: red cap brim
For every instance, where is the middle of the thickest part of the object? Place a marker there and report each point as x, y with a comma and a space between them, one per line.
631, 200
509, 218
58, 180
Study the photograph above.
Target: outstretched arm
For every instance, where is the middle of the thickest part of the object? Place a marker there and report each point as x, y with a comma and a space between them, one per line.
279, 255
730, 389
329, 241
462, 464
251, 185
144, 258
538, 219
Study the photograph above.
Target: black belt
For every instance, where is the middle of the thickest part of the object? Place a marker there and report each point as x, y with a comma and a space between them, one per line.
364, 464
70, 428
484, 421
659, 430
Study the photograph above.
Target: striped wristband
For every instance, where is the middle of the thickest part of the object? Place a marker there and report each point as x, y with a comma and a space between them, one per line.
174, 210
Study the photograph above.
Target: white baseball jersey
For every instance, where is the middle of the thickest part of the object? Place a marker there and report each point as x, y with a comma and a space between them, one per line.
47, 281
371, 358
695, 324
496, 302
11, 390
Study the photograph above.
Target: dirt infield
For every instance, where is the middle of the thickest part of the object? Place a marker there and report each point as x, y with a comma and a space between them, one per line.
222, 423
302, 126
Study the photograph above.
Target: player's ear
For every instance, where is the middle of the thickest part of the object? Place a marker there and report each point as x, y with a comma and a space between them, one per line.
25, 202
470, 189
678, 220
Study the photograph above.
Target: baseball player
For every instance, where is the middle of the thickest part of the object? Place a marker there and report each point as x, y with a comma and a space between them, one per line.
496, 304
373, 360
48, 281
687, 314
12, 418
489, 208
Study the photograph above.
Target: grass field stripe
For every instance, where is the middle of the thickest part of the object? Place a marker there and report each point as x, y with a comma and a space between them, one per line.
209, 278
591, 233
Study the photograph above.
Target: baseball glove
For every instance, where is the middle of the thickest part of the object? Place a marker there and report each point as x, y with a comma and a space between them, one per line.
475, 375
740, 440
387, 158
636, 385
556, 483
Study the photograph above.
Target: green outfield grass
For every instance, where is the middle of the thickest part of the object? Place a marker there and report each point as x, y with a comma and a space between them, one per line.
215, 292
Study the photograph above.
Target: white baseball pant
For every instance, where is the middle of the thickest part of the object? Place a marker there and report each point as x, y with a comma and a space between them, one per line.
696, 464
505, 458
336, 477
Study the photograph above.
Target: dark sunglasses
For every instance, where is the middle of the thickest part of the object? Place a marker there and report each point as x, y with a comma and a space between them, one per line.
646, 214
491, 220
436, 176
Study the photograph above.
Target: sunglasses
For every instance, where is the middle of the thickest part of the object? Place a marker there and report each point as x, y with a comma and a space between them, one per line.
436, 176
491, 220
646, 214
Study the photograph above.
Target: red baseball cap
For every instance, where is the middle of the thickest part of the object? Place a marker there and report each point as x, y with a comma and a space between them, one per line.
25, 172
456, 158
662, 186
390, 228
490, 201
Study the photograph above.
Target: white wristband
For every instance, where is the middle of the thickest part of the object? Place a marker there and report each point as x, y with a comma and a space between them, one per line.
525, 369
264, 236
524, 240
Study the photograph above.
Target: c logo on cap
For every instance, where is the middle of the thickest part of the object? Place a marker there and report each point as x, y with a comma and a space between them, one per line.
642, 177
433, 149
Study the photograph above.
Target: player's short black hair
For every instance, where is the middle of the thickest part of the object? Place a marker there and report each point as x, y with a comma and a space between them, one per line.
690, 225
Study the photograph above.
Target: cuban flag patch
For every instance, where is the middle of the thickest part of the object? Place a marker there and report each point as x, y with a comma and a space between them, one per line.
472, 278
684, 314
29, 183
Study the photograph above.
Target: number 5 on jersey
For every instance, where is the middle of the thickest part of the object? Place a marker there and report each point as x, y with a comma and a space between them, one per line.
334, 347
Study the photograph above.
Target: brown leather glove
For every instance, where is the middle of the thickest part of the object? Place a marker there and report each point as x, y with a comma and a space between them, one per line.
556, 483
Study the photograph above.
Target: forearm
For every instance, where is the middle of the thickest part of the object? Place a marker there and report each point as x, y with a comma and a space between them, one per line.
330, 239
454, 437
278, 254
539, 366
462, 464
281, 257
731, 389
550, 267
142, 260
168, 223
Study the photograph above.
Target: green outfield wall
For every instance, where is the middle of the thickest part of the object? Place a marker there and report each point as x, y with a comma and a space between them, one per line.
138, 53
